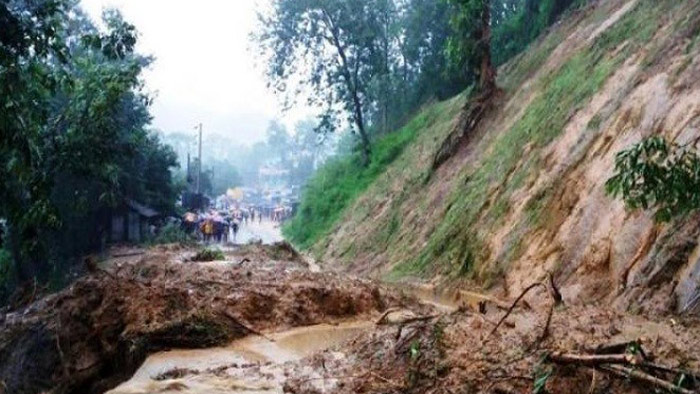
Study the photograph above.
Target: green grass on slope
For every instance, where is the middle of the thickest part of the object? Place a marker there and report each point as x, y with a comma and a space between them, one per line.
455, 245
336, 185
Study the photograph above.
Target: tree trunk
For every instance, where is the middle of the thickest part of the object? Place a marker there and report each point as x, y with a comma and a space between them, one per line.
351, 84
364, 138
488, 73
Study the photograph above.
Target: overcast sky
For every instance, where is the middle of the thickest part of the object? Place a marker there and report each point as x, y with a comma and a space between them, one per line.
204, 70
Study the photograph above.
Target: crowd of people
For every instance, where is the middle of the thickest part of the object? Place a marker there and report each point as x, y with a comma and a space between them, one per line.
222, 226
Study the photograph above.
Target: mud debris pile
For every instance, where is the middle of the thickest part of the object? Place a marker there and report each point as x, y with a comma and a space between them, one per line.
264, 323
94, 334
456, 353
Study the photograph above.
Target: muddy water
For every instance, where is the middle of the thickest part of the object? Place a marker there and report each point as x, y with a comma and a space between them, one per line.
257, 365
258, 361
445, 300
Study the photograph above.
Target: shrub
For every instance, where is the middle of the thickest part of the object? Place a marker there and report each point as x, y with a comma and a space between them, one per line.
208, 254
170, 234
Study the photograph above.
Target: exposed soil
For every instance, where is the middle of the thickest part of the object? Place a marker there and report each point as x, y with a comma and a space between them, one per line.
443, 350
454, 353
95, 333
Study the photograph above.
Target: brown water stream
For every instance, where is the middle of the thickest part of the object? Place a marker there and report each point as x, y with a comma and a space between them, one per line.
257, 365
257, 354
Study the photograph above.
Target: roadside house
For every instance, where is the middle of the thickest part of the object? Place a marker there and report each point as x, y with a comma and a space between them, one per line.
130, 222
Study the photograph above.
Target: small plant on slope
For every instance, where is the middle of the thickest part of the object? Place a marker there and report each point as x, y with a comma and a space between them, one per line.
657, 174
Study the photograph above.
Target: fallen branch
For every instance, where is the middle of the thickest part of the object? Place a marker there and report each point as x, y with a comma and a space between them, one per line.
385, 380
410, 320
663, 368
554, 291
386, 313
513, 305
634, 374
245, 327
131, 254
593, 360
617, 348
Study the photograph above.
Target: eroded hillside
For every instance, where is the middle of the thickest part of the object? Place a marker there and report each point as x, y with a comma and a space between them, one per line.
524, 192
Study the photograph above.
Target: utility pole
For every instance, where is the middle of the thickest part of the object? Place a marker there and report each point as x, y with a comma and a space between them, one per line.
199, 166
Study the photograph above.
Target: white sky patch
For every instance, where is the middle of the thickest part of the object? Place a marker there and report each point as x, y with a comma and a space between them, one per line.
204, 70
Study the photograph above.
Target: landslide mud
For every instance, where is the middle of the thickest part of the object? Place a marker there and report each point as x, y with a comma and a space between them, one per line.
236, 367
97, 332
447, 348
455, 353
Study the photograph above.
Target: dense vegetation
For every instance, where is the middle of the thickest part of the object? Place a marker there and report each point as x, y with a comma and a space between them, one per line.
407, 53
336, 184
75, 141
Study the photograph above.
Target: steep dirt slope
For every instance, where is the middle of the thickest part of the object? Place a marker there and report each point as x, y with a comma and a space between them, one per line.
524, 194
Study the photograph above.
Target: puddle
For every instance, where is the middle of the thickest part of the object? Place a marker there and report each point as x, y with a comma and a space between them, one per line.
445, 300
254, 364
255, 355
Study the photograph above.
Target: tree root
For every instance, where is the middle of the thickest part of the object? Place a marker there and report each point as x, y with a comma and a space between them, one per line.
471, 117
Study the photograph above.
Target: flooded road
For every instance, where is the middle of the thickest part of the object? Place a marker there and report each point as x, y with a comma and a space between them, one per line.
266, 231
250, 365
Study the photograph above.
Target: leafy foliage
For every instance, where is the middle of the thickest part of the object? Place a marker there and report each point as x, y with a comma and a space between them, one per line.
469, 48
656, 174
340, 181
173, 234
366, 62
519, 22
74, 141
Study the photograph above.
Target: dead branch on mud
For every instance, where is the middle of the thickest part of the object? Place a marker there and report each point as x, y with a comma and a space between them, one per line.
624, 365
554, 291
129, 254
634, 374
593, 360
407, 320
514, 304
386, 313
246, 327
617, 348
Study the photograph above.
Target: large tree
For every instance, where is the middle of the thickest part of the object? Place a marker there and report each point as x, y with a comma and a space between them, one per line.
74, 140
470, 47
30, 43
332, 48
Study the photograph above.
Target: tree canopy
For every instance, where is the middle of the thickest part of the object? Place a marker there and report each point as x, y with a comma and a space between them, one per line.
370, 63
75, 141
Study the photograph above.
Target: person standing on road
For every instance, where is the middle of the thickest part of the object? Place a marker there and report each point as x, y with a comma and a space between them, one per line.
234, 227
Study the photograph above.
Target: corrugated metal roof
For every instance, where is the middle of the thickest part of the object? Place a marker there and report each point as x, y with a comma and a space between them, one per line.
142, 209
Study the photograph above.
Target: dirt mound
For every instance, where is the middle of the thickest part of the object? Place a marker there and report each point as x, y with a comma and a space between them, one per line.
456, 353
94, 334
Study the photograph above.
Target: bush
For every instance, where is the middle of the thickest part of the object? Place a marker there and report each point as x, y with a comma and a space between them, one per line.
170, 234
7, 275
207, 254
